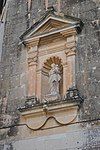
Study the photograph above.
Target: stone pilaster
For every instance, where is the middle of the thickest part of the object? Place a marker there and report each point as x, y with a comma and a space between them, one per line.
32, 67
70, 61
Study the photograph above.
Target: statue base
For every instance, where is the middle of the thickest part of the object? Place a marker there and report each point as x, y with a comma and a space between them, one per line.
51, 97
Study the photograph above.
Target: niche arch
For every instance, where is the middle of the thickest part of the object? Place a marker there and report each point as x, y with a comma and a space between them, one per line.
45, 88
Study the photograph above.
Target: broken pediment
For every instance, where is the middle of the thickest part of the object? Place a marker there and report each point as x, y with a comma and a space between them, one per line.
52, 23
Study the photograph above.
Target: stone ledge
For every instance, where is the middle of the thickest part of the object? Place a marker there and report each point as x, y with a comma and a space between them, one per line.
72, 97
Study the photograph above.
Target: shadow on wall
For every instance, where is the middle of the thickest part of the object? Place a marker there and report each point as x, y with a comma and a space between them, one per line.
2, 4
2, 22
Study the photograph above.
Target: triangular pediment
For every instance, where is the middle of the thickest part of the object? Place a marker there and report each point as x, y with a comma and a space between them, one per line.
51, 22
50, 25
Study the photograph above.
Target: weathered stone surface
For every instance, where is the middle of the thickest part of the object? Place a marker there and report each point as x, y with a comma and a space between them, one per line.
84, 139
13, 73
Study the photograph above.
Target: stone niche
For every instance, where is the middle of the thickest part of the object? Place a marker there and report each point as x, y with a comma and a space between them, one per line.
51, 50
52, 40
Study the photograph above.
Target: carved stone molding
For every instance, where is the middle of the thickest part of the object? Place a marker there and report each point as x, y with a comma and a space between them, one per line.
69, 32
70, 52
32, 62
32, 56
48, 115
31, 42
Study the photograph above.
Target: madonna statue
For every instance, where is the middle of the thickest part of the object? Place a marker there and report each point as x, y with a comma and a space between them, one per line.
54, 79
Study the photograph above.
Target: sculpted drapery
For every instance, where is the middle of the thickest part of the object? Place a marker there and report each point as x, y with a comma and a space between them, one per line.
54, 79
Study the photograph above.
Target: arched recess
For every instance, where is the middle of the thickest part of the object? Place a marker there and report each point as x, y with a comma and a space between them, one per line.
45, 87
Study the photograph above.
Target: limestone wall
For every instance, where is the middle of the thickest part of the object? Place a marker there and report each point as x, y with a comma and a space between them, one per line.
13, 82
87, 62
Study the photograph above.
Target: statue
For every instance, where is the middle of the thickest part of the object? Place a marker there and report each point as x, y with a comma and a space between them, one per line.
54, 79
